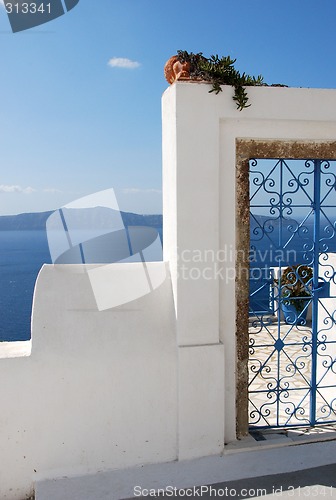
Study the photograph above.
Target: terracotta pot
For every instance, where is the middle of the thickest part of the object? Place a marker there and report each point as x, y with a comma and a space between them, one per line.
175, 70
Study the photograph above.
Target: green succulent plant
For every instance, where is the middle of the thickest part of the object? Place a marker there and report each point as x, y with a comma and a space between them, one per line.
220, 71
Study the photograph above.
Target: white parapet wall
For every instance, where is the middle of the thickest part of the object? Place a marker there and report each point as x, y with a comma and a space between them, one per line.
99, 390
154, 379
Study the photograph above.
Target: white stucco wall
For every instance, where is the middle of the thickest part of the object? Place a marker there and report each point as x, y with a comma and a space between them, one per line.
327, 328
99, 390
199, 194
152, 380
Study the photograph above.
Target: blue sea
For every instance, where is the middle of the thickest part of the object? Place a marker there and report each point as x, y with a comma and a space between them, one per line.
22, 254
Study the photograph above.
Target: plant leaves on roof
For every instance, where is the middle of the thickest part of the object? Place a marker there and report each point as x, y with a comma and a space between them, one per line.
220, 71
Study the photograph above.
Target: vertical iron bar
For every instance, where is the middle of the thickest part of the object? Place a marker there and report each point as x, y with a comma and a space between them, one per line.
317, 214
279, 290
272, 291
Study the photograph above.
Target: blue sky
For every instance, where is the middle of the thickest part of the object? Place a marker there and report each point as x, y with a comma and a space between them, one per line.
71, 124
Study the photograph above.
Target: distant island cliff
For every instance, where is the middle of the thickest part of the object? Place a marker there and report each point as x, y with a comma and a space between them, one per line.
37, 221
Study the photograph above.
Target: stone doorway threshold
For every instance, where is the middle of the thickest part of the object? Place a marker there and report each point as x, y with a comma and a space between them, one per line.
271, 438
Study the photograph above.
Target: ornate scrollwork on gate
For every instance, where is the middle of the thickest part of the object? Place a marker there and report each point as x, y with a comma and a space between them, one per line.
292, 331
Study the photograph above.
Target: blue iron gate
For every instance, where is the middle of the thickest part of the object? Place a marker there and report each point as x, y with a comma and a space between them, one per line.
292, 327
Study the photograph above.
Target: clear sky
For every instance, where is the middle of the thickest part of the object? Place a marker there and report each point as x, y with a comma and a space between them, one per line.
73, 124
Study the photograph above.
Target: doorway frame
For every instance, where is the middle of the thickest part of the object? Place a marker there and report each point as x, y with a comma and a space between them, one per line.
247, 149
